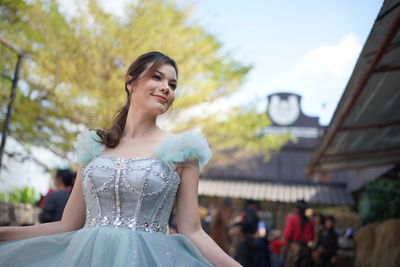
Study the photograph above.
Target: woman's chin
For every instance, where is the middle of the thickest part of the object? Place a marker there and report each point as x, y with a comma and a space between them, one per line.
155, 110
160, 111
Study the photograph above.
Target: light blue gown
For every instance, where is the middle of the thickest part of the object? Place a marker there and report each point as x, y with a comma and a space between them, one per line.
128, 204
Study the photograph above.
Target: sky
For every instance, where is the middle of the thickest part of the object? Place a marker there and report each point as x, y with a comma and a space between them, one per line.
305, 47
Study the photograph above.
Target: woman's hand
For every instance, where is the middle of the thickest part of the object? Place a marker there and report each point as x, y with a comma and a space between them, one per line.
73, 218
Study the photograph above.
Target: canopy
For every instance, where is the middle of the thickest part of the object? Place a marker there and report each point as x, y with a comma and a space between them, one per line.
322, 194
365, 128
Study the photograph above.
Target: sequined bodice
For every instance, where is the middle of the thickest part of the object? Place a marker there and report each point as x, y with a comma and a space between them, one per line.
130, 193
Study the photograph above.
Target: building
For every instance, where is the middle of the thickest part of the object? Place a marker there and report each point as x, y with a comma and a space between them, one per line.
363, 137
281, 180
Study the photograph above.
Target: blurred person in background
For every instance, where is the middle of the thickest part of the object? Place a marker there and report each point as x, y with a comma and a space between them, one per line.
205, 217
298, 231
268, 219
276, 243
264, 254
318, 220
42, 201
246, 250
219, 230
327, 246
56, 200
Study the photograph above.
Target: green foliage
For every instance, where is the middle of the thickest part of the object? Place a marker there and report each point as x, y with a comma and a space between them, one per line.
382, 201
4, 197
239, 128
11, 10
20, 195
74, 72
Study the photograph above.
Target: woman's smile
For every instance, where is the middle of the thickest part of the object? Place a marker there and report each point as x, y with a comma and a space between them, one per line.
161, 98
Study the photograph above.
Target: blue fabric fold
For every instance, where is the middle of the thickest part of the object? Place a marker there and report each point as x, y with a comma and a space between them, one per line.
87, 146
190, 145
102, 246
182, 147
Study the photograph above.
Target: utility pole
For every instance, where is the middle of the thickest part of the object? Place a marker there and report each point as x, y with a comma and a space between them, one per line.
10, 106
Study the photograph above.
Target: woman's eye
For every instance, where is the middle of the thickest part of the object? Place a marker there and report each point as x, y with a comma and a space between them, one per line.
173, 86
157, 77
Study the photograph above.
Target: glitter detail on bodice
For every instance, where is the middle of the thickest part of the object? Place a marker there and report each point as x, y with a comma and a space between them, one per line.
131, 193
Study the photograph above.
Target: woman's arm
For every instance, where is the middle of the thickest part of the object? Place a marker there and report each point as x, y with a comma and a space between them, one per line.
188, 219
73, 218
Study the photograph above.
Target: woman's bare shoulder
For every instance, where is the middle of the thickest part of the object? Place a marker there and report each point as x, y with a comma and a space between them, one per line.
165, 134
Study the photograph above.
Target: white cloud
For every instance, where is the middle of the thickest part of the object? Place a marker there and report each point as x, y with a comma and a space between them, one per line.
321, 76
333, 59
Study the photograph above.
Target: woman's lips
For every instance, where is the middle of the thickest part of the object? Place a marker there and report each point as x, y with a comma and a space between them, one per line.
161, 98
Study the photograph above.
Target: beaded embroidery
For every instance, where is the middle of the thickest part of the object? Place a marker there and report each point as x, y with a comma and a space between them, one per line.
106, 177
137, 194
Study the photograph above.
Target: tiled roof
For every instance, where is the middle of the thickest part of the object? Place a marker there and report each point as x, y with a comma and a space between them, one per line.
278, 192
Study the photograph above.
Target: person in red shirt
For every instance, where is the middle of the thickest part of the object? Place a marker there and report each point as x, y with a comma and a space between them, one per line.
276, 243
299, 230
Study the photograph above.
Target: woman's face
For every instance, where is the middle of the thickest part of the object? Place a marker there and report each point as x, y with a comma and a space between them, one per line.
156, 93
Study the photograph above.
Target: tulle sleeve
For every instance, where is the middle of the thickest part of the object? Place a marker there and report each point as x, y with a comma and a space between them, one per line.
87, 146
182, 147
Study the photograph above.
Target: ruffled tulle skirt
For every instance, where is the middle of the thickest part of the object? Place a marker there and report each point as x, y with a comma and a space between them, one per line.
102, 246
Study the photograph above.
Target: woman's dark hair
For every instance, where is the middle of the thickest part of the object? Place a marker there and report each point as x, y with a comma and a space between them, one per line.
145, 64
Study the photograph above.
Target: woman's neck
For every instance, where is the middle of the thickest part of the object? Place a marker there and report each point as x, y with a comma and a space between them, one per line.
139, 125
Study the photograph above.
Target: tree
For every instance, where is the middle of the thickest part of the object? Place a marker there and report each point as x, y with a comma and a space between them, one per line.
76, 67
240, 129
381, 202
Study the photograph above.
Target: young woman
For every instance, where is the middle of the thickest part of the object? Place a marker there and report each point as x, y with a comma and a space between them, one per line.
131, 175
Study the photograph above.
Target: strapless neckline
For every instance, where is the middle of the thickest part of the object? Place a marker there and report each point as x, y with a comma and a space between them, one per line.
127, 159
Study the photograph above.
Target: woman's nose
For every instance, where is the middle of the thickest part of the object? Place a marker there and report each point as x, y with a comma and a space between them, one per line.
164, 87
